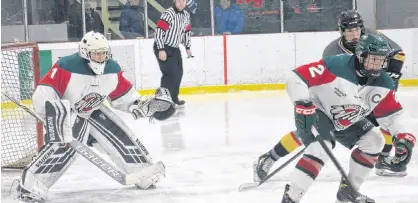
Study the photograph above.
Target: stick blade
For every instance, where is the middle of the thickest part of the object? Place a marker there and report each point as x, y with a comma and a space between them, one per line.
247, 186
154, 169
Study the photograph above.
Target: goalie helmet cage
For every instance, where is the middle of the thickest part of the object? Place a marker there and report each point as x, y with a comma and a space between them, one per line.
21, 133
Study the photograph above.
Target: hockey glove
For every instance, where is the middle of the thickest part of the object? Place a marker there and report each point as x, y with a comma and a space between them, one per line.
404, 143
395, 64
395, 78
305, 116
147, 107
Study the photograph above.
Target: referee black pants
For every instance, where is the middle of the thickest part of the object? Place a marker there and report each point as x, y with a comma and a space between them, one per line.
172, 70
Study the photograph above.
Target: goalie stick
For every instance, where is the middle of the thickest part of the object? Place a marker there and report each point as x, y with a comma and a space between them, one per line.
95, 159
247, 186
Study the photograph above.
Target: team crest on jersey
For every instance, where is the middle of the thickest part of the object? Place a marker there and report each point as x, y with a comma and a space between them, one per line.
346, 115
89, 102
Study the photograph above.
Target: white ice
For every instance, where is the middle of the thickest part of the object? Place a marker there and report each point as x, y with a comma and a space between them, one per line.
209, 150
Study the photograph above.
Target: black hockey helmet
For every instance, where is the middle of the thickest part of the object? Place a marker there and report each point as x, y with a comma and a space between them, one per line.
350, 19
376, 45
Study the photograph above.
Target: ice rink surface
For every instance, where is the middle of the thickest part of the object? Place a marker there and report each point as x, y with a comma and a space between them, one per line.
209, 149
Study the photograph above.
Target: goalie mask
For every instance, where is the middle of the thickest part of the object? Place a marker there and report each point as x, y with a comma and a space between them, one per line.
94, 47
373, 52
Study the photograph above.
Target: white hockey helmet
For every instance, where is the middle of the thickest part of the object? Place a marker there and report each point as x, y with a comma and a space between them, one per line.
94, 47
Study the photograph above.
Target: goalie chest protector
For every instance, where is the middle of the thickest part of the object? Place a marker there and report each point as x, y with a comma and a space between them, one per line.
72, 78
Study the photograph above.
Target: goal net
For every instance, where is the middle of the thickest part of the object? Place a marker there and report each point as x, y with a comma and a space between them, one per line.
21, 134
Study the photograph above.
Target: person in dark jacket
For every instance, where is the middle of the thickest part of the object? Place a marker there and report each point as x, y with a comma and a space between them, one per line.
93, 20
131, 21
228, 18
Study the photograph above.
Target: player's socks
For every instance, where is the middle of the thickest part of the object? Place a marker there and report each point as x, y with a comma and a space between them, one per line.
307, 169
388, 143
289, 143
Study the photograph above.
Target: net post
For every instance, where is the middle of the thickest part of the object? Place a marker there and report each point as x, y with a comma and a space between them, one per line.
37, 78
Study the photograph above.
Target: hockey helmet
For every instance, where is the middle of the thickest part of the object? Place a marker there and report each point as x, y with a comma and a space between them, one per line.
94, 47
347, 20
373, 51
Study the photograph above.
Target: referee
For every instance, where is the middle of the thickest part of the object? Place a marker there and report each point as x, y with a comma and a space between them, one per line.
173, 28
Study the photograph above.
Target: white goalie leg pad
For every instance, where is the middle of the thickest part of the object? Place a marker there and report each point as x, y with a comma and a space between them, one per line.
57, 122
45, 170
121, 145
50, 164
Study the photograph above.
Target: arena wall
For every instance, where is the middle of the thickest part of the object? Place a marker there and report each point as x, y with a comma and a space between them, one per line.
234, 62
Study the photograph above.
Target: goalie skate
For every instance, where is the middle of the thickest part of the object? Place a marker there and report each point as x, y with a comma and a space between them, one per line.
150, 176
26, 196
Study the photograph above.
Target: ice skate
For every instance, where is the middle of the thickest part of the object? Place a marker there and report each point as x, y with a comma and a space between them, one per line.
262, 166
286, 198
180, 104
24, 195
347, 194
150, 182
385, 167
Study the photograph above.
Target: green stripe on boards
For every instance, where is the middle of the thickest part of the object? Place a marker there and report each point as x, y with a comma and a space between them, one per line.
25, 65
45, 62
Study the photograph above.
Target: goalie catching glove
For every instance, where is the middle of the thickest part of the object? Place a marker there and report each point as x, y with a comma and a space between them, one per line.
160, 106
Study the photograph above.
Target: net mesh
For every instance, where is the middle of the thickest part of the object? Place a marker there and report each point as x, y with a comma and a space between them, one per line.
19, 134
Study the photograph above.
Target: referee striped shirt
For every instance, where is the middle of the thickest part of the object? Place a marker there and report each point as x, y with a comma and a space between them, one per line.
173, 28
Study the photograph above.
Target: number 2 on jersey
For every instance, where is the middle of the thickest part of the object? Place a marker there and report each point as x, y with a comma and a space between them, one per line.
316, 70
54, 70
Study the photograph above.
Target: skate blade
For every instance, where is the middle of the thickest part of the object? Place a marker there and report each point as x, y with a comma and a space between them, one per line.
247, 186
358, 201
388, 173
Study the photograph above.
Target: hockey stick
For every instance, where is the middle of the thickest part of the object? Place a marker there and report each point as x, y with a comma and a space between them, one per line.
247, 186
356, 196
94, 158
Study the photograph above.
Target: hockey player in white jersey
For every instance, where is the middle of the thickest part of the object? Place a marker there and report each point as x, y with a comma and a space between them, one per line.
334, 95
85, 80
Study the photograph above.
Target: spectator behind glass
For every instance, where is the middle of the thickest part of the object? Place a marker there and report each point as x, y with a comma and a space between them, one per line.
93, 20
191, 6
228, 18
131, 21
75, 22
